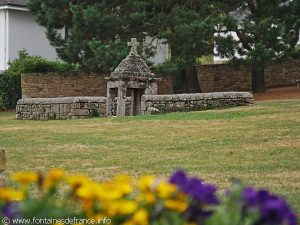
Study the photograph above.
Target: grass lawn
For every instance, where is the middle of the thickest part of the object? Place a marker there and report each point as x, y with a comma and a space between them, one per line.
258, 144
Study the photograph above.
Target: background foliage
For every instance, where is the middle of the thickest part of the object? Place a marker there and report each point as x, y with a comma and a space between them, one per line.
266, 30
94, 33
10, 80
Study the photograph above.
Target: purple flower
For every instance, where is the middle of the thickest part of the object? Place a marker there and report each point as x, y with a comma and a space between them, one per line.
179, 178
200, 193
11, 211
273, 210
196, 214
195, 188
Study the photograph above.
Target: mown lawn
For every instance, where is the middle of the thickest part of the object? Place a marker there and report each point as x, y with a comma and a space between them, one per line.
258, 144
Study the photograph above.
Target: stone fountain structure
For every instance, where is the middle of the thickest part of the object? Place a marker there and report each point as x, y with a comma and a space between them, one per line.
132, 78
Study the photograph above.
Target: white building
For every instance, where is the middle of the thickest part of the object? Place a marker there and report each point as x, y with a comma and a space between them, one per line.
18, 30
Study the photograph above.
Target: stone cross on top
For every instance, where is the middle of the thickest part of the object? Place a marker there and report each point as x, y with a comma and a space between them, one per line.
134, 44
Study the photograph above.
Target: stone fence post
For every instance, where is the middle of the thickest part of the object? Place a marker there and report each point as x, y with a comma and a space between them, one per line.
2, 168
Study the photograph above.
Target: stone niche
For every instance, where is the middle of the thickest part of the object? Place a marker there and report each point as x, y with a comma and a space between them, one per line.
132, 78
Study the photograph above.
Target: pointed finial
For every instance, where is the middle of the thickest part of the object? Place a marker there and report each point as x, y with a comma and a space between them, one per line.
134, 44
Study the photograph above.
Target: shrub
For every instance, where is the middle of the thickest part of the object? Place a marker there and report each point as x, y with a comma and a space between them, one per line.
10, 80
181, 200
10, 90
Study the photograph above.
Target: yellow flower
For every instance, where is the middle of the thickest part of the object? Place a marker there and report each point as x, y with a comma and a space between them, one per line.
146, 183
121, 207
54, 176
8, 194
176, 205
87, 191
122, 182
147, 197
141, 217
165, 190
77, 181
108, 192
25, 178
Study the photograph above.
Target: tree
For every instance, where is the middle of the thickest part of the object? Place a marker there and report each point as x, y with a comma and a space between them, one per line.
266, 30
94, 33
187, 26
90, 33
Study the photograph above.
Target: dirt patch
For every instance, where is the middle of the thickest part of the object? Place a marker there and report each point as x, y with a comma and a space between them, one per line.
278, 93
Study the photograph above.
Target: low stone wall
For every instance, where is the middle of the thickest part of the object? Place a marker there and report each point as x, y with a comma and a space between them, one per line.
60, 108
65, 108
86, 107
194, 102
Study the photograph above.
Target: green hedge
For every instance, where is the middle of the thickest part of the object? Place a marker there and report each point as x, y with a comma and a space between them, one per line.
10, 91
10, 80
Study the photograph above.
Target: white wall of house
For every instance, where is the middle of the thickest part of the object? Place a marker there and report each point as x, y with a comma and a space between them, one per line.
22, 32
218, 59
162, 50
3, 38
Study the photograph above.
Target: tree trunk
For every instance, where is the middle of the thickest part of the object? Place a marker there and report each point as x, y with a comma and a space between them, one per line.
258, 79
191, 80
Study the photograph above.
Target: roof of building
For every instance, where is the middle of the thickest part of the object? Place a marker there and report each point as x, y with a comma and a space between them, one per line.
16, 3
132, 66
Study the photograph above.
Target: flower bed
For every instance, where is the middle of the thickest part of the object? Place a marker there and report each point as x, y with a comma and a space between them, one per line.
56, 198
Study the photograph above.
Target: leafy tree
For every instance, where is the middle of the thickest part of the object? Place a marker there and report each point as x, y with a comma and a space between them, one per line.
90, 33
94, 33
266, 30
187, 26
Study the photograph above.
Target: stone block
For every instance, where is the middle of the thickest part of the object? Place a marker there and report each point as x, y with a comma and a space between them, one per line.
81, 112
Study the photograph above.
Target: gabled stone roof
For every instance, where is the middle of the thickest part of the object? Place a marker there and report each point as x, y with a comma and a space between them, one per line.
18, 3
134, 67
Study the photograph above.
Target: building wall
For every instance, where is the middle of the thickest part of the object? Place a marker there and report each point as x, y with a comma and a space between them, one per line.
25, 33
162, 50
3, 38
53, 85
224, 77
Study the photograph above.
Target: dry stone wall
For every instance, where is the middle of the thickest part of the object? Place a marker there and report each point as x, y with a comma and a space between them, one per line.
65, 108
60, 108
86, 107
194, 102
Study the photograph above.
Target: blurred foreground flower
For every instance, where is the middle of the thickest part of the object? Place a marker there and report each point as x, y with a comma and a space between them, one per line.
181, 200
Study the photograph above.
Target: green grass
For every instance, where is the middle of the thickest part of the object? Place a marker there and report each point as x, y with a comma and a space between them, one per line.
258, 144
